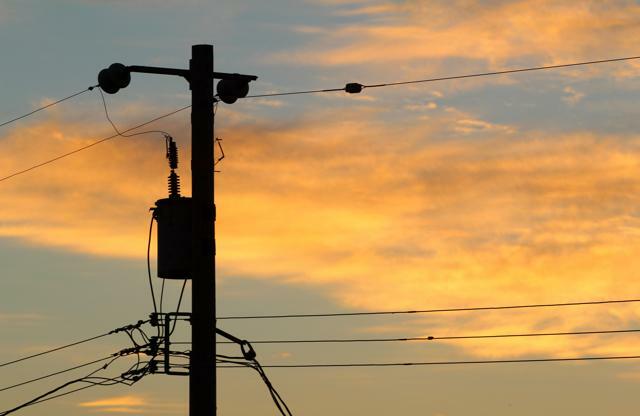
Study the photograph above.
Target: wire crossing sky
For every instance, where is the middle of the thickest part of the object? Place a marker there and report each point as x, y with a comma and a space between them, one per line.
499, 174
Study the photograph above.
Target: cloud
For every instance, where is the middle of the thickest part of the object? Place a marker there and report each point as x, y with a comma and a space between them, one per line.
20, 319
376, 216
133, 404
119, 404
431, 36
56, 206
573, 97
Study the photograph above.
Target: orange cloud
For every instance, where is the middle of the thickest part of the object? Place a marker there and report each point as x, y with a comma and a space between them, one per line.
380, 217
431, 34
119, 404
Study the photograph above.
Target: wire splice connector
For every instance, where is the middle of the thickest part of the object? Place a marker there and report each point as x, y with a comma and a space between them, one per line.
353, 88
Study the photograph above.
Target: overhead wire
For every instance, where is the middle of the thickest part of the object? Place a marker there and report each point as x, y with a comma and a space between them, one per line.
97, 142
359, 87
249, 359
123, 378
132, 375
436, 363
55, 349
55, 373
184, 284
314, 91
44, 107
436, 338
72, 344
426, 311
153, 295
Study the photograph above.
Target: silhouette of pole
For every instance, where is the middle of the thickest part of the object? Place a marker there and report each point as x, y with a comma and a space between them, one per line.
200, 75
202, 377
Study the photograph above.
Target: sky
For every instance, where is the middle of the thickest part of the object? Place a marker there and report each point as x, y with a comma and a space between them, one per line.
503, 190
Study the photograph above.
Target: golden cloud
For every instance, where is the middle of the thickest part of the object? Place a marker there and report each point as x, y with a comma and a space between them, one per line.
119, 404
378, 217
432, 34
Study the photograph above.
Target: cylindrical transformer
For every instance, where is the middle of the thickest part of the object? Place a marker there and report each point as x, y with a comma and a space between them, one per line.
174, 237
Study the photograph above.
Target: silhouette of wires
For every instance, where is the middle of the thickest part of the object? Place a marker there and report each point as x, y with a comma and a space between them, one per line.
248, 359
97, 142
351, 88
281, 405
124, 134
44, 107
55, 373
437, 338
129, 377
354, 87
153, 295
113, 331
424, 311
436, 363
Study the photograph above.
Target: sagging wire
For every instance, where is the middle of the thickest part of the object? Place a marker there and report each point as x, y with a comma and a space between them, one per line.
123, 133
136, 372
113, 331
184, 284
153, 295
248, 359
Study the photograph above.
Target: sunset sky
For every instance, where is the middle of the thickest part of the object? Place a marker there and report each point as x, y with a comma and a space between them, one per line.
503, 190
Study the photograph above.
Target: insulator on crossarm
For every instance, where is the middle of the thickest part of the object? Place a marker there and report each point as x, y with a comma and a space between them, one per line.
174, 185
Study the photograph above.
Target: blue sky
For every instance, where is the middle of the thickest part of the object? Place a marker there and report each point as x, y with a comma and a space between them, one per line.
488, 191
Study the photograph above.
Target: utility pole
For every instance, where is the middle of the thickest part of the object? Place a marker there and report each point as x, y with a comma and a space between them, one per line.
202, 363
200, 265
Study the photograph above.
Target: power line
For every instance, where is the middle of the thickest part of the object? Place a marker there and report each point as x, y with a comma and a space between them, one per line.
356, 87
421, 311
92, 144
123, 133
113, 331
47, 106
348, 88
54, 349
435, 338
434, 363
56, 373
129, 377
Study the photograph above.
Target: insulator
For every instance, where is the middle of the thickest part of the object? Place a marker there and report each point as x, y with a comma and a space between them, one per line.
172, 155
174, 185
113, 78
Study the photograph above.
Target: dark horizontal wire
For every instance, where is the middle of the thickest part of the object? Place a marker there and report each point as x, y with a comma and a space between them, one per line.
47, 106
481, 74
508, 71
91, 144
46, 397
56, 349
420, 311
295, 93
316, 91
55, 373
74, 391
434, 338
434, 363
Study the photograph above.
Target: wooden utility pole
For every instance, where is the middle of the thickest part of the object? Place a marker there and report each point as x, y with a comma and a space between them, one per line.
200, 268
202, 377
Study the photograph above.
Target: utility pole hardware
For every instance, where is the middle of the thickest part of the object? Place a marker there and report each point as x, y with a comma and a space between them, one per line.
180, 219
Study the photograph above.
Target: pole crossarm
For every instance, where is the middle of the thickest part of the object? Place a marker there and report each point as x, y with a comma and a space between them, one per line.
186, 74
